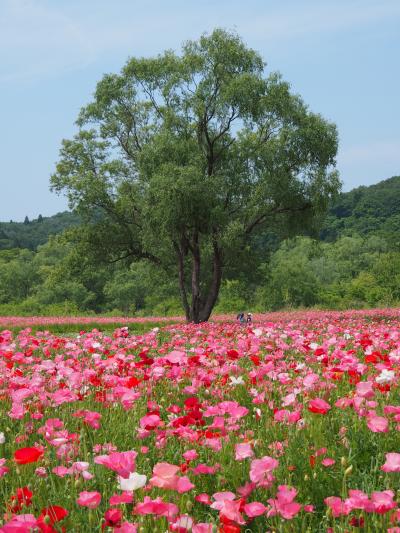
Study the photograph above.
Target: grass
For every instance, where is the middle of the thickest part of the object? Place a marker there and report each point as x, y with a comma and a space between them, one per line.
135, 328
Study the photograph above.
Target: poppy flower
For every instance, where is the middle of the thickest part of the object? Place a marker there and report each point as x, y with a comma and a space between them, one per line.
23, 497
89, 499
54, 512
318, 406
24, 456
113, 518
49, 516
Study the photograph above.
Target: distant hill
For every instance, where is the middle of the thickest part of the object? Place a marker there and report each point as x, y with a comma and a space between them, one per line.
30, 234
366, 210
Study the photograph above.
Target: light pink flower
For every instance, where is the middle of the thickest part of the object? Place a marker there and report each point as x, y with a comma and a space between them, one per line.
156, 507
243, 450
337, 506
254, 509
383, 501
392, 463
190, 455
202, 527
121, 462
284, 503
364, 389
164, 476
89, 499
378, 424
259, 468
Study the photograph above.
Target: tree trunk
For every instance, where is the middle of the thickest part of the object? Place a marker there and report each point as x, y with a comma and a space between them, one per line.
213, 291
181, 277
200, 308
196, 300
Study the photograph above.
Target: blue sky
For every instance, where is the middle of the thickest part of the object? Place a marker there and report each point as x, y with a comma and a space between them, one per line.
341, 56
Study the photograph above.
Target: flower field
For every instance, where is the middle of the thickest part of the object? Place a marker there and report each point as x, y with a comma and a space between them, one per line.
84, 321
290, 425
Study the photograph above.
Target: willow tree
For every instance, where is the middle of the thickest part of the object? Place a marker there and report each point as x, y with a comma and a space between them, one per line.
179, 159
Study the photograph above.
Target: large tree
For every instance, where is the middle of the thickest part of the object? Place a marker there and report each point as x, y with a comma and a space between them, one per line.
180, 159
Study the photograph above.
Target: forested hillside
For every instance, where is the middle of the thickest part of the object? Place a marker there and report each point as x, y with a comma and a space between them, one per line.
31, 233
365, 210
355, 264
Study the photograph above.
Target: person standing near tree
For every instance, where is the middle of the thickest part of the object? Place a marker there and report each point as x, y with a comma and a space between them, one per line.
249, 318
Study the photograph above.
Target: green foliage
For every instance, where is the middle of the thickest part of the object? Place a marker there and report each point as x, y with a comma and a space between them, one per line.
33, 307
179, 159
61, 277
349, 273
232, 297
18, 275
365, 210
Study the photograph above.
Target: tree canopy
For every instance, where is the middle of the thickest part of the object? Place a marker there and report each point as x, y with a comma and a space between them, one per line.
181, 159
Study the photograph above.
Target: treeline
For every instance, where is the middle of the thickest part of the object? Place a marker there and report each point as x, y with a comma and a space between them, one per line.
351, 272
32, 233
357, 264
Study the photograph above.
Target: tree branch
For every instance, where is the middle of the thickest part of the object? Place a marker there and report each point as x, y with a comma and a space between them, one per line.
279, 210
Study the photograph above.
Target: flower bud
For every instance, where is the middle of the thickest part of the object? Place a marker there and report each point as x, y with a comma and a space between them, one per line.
348, 471
189, 506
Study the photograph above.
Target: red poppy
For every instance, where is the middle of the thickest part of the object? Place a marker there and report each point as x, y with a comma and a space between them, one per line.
357, 522
24, 456
54, 512
51, 515
23, 497
191, 402
232, 354
132, 382
113, 518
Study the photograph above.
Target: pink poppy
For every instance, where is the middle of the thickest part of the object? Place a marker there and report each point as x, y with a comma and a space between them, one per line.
318, 406
378, 424
254, 509
121, 462
89, 499
392, 463
243, 450
260, 468
156, 507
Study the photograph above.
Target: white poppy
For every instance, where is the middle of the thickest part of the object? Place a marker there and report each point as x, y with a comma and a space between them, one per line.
134, 482
386, 376
236, 381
